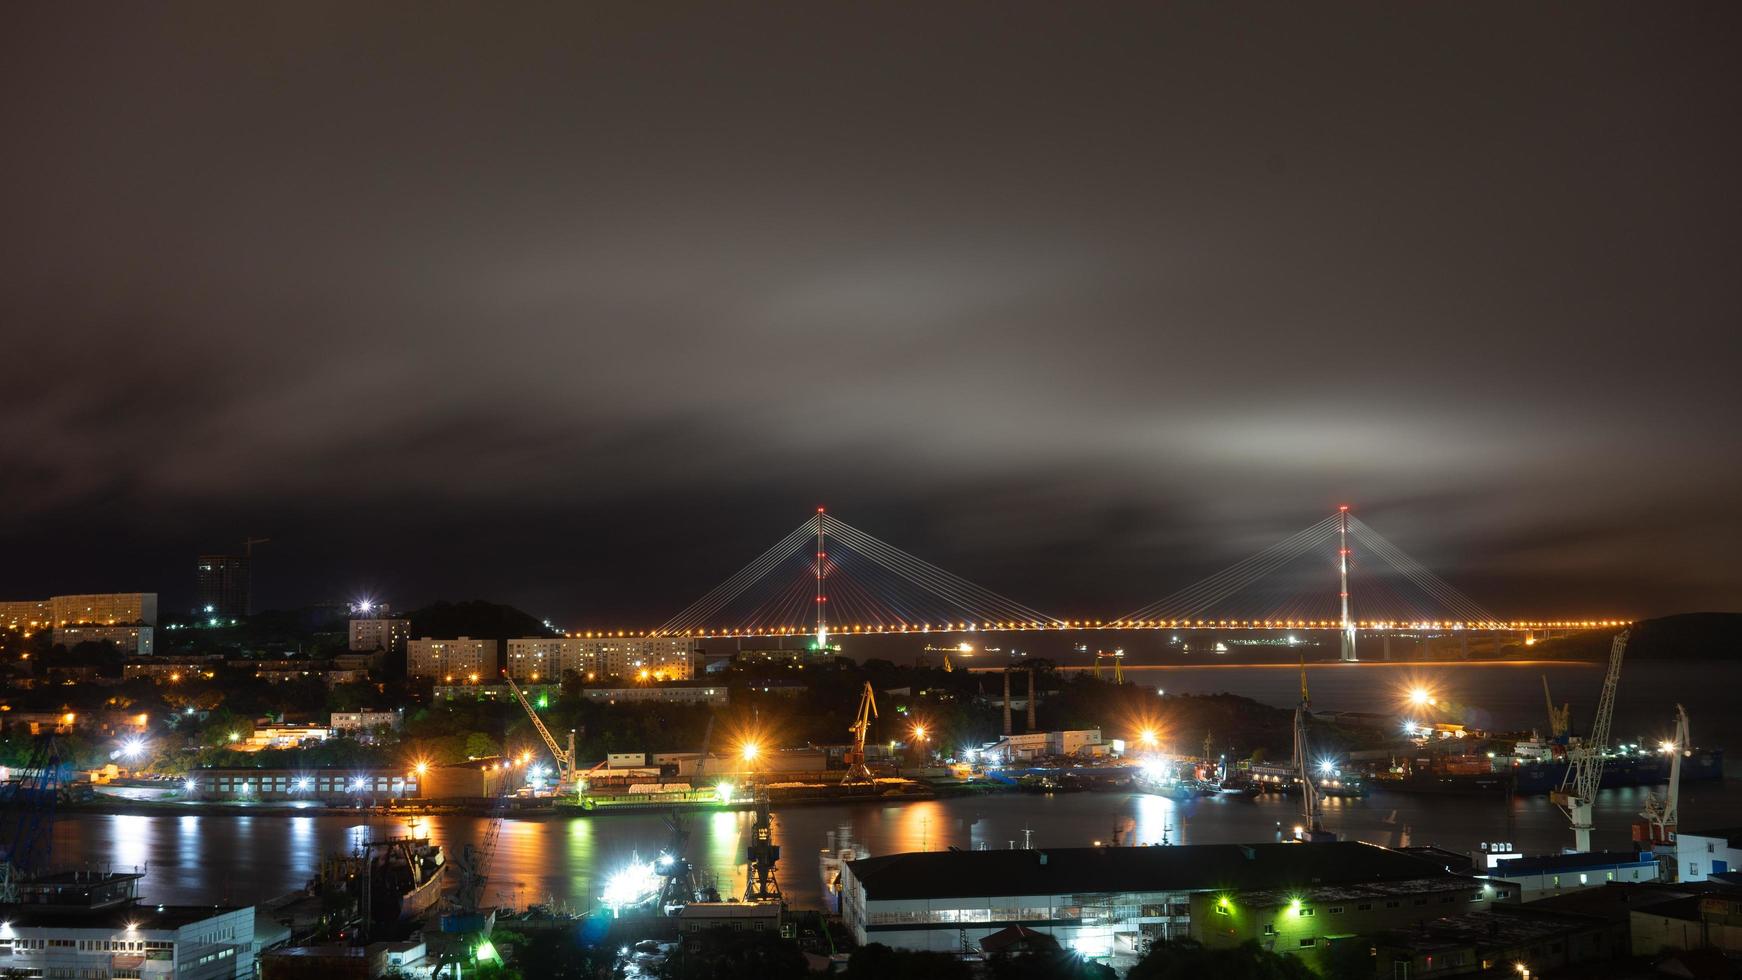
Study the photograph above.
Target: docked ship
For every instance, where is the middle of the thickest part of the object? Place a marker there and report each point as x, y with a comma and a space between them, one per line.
405, 878
389, 881
1536, 768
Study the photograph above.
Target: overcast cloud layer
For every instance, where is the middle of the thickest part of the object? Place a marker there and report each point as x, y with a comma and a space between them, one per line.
580, 308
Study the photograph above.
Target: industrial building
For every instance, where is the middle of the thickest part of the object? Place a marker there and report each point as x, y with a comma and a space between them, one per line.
131, 640
364, 721
679, 693
279, 785
478, 779
1703, 853
1543, 876
463, 659
1107, 902
92, 924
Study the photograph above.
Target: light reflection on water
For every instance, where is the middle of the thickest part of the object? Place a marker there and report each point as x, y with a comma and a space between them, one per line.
215, 858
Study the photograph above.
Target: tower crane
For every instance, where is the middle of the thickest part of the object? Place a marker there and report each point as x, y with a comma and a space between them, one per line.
857, 770
565, 760
1585, 761
1558, 718
1658, 819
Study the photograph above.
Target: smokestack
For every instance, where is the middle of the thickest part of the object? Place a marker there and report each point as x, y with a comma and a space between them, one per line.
1007, 701
1031, 725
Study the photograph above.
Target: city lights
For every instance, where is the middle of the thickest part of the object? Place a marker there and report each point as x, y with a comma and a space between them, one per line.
133, 748
750, 751
1421, 697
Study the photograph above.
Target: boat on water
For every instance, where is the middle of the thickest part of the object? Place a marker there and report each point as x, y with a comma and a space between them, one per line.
1285, 779
389, 881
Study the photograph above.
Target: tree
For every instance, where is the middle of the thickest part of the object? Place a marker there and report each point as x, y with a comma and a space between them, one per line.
877, 961
481, 746
1187, 959
726, 954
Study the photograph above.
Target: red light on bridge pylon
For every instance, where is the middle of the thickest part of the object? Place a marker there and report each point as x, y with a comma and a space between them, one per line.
1343, 507
820, 510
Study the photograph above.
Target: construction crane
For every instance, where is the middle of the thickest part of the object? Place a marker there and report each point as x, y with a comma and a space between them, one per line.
249, 543
1585, 761
1658, 819
1558, 718
857, 770
565, 760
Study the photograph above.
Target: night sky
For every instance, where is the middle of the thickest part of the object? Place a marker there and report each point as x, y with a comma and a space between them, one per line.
580, 307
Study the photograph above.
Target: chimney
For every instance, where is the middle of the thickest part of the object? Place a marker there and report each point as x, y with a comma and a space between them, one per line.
1031, 725
1007, 702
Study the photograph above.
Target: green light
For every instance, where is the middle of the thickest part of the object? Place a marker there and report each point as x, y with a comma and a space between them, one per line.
544, 700
485, 951
1294, 905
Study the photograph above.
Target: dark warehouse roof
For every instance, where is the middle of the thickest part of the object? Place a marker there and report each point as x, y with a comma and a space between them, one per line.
1190, 867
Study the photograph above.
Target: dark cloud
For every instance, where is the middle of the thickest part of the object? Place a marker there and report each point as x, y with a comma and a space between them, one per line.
580, 307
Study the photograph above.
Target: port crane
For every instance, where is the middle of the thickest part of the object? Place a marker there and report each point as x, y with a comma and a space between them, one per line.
1585, 761
1311, 827
857, 770
1658, 819
1559, 719
565, 760
27, 816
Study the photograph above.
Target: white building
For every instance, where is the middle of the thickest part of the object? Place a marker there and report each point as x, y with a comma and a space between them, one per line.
464, 659
542, 658
1547, 875
380, 634
1701, 854
91, 924
127, 639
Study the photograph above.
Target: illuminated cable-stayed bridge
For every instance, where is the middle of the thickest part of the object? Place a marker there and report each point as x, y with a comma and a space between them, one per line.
827, 578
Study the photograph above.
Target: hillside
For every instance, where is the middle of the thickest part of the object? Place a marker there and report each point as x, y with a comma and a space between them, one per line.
477, 619
1689, 636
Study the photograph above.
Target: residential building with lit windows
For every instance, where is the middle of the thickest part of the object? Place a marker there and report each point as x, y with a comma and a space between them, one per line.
534, 659
380, 634
135, 640
91, 609
92, 924
25, 615
464, 659
593, 659
104, 609
1107, 902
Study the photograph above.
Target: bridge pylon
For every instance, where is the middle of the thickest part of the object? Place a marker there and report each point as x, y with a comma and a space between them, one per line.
1348, 625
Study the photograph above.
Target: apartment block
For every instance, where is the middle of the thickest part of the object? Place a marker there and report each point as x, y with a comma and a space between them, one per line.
445, 660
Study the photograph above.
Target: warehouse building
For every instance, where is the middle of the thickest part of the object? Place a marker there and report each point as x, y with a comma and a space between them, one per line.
1108, 902
92, 924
